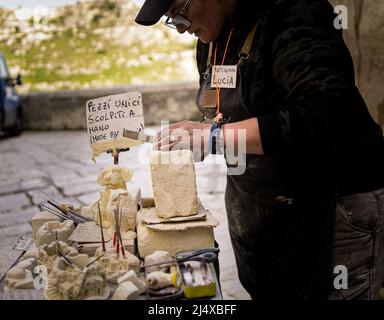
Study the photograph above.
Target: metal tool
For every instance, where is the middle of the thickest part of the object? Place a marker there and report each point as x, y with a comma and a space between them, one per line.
139, 136
63, 256
71, 213
119, 229
101, 227
117, 235
94, 260
119, 240
62, 215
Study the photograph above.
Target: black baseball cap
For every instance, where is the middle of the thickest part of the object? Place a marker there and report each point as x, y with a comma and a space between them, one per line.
152, 11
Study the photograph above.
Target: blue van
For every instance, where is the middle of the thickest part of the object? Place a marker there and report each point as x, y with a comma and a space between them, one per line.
11, 112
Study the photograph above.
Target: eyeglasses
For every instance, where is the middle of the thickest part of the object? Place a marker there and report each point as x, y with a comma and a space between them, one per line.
179, 21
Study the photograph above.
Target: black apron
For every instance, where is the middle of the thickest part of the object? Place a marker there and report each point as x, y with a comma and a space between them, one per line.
277, 234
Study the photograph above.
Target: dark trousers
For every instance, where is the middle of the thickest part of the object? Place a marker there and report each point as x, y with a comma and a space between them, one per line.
358, 244
298, 252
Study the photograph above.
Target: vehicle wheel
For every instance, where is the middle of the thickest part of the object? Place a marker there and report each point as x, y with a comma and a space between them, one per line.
17, 129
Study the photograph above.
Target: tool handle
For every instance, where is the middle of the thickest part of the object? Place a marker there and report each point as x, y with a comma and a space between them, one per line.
186, 255
207, 257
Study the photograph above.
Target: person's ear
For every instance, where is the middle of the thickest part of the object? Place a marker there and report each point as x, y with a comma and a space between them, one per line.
127, 174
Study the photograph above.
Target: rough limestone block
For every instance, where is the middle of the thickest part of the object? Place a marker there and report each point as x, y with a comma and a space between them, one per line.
174, 183
40, 218
126, 291
134, 278
48, 231
150, 240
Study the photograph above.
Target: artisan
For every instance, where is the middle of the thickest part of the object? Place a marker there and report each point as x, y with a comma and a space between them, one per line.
306, 217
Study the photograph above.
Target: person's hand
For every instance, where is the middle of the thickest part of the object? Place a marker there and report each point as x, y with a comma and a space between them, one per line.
189, 135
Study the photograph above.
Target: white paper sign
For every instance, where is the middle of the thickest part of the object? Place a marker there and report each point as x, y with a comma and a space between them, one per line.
224, 77
107, 117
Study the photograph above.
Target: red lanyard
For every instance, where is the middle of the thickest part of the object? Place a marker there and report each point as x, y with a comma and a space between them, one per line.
214, 72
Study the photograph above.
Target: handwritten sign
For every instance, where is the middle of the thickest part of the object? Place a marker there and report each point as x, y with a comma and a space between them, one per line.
107, 117
224, 77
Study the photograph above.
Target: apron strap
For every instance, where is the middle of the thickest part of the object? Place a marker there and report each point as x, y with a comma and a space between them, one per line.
244, 54
245, 51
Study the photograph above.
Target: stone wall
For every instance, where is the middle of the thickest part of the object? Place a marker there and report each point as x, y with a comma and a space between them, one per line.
365, 39
66, 110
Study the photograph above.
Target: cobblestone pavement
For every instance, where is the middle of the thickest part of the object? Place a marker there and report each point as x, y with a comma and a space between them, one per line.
59, 163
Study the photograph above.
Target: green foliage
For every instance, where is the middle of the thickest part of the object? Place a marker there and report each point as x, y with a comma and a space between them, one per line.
76, 51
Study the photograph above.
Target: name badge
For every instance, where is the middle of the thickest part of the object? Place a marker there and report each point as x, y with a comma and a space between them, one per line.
224, 77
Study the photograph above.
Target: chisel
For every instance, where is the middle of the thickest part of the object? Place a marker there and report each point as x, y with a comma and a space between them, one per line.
139, 136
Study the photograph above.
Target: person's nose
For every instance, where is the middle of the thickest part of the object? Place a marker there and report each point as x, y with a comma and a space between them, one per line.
180, 29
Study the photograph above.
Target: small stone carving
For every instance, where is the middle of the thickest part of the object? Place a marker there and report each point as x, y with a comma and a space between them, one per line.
127, 205
49, 230
116, 265
48, 253
77, 281
20, 276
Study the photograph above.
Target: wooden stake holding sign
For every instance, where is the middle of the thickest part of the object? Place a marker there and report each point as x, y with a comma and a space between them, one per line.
108, 117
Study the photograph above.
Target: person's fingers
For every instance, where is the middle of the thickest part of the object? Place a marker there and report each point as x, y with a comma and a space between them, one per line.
167, 131
165, 141
172, 146
162, 134
168, 147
